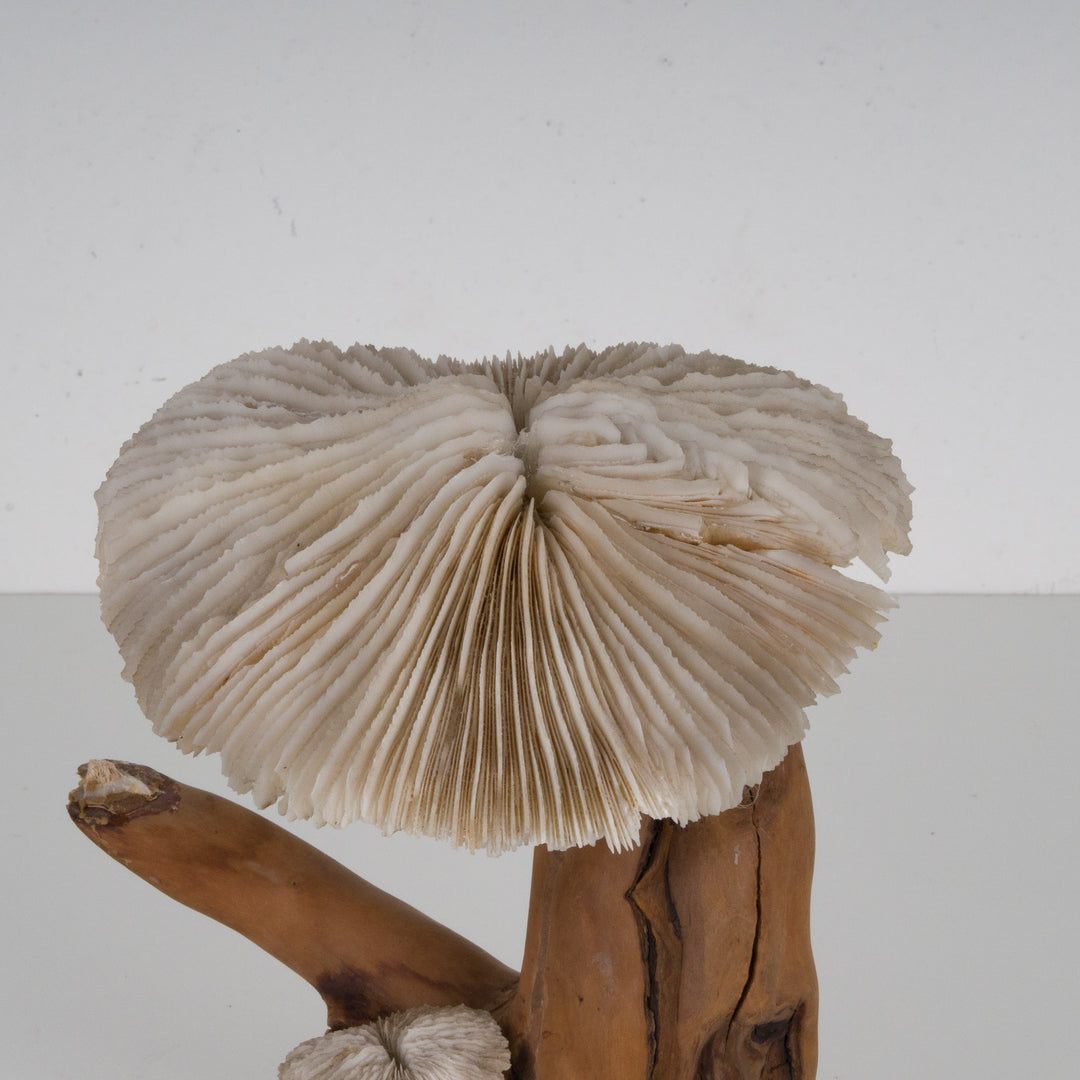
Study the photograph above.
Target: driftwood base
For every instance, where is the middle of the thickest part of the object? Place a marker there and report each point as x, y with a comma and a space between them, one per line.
686, 958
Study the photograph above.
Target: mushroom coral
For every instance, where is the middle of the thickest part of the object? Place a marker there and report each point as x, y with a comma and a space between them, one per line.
496, 603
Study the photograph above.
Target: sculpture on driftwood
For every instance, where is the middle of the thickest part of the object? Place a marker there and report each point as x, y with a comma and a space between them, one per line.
576, 601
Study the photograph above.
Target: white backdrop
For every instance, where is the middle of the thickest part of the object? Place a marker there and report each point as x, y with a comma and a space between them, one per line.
881, 197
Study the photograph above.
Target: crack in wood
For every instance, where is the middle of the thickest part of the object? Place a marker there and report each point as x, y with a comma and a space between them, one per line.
660, 935
752, 967
648, 945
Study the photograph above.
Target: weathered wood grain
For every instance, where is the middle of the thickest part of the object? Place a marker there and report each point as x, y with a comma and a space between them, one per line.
685, 958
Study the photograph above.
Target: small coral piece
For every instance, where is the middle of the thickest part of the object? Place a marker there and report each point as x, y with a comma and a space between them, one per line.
427, 1043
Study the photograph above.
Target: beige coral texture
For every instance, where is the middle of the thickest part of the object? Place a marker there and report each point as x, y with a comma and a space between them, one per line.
497, 603
426, 1043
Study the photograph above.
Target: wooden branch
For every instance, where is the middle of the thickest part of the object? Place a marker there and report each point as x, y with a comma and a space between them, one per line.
365, 951
687, 958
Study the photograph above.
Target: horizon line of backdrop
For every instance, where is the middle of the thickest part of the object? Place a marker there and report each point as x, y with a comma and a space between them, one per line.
880, 198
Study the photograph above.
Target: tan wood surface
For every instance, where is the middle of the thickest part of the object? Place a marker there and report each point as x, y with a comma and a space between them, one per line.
685, 958
365, 951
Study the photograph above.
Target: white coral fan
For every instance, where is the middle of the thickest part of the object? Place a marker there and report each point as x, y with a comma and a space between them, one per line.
427, 1043
505, 603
